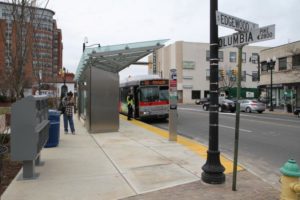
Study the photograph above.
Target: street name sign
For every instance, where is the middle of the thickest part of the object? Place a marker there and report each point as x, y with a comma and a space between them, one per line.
234, 22
256, 35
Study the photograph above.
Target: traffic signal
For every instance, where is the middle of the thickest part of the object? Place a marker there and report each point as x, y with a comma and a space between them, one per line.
62, 72
234, 72
222, 71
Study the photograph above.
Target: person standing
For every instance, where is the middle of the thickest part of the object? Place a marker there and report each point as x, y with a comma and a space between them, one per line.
68, 102
129, 106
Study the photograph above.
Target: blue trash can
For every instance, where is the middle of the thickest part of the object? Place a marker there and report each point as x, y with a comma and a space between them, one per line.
54, 118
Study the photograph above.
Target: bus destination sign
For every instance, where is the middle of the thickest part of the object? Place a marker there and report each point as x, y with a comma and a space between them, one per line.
155, 82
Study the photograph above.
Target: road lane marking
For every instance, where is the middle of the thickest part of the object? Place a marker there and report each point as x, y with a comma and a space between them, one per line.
271, 118
220, 125
193, 145
197, 110
230, 127
255, 118
190, 109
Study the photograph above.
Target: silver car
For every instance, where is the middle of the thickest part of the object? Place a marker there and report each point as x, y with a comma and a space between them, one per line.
252, 105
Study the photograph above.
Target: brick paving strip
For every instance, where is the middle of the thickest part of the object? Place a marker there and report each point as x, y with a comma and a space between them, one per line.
249, 187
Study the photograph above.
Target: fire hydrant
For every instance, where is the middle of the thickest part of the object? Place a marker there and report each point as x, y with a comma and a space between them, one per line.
290, 185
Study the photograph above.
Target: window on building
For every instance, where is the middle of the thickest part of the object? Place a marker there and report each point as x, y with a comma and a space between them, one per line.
254, 58
188, 65
207, 74
264, 66
254, 76
232, 57
296, 61
221, 56
196, 94
244, 76
282, 63
244, 57
187, 86
188, 77
207, 55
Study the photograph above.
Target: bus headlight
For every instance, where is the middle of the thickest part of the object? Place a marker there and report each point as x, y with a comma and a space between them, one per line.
145, 113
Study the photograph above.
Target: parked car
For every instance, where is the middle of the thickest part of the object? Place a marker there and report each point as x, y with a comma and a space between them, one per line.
250, 105
224, 105
201, 101
297, 111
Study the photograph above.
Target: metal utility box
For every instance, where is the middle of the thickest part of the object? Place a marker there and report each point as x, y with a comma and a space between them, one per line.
29, 131
102, 100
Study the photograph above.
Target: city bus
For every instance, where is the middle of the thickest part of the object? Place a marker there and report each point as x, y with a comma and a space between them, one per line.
150, 94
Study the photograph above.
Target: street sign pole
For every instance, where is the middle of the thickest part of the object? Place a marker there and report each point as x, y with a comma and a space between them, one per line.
237, 118
173, 117
248, 32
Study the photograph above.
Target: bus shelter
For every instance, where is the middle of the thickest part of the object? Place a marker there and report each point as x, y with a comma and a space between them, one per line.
97, 76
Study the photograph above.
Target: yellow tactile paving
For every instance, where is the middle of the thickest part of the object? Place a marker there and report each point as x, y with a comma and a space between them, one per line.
190, 144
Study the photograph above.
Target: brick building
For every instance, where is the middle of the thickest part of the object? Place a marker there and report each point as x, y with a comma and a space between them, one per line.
42, 40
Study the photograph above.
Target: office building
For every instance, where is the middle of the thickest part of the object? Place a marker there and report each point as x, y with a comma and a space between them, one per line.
191, 59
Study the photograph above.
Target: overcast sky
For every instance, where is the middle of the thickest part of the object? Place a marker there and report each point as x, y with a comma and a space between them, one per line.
111, 22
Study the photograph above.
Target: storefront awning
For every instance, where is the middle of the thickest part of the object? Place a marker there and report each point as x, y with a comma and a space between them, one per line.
115, 58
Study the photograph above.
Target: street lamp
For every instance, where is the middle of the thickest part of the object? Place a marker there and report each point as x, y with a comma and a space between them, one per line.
85, 42
270, 66
213, 170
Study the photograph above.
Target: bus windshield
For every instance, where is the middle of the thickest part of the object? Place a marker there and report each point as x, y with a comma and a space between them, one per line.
154, 93
163, 93
149, 94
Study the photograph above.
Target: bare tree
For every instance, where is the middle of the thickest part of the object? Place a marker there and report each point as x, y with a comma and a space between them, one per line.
227, 81
18, 36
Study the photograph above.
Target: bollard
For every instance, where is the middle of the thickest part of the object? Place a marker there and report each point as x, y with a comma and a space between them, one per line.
290, 185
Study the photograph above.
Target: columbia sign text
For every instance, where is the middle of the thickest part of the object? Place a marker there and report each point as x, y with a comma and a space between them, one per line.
256, 35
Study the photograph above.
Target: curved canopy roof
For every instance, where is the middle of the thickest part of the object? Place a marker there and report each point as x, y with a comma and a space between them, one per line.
115, 58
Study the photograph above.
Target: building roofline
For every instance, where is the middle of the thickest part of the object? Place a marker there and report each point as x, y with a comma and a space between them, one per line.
281, 45
6, 3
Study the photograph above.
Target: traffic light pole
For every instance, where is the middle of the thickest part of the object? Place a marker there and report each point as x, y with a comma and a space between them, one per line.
237, 118
213, 171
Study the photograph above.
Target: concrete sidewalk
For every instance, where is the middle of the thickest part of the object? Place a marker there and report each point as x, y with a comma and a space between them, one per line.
137, 162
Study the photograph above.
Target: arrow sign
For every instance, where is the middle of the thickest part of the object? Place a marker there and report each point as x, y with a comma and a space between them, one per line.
234, 22
256, 35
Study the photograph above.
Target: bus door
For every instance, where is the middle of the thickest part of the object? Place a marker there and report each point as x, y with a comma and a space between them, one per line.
136, 101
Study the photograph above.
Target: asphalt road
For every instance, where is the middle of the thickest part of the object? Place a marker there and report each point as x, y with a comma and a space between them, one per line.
266, 141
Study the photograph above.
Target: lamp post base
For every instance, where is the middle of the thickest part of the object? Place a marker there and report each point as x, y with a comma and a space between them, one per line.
213, 169
213, 178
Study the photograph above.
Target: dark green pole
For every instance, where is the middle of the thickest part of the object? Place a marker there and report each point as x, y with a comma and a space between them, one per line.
213, 169
271, 67
237, 118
